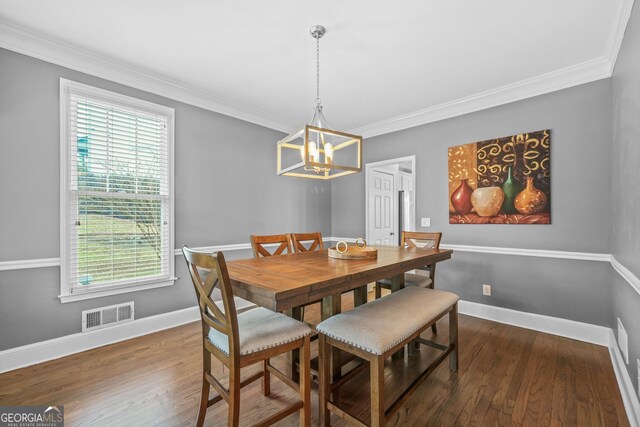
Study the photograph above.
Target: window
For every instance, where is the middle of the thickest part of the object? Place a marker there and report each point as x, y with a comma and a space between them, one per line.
116, 193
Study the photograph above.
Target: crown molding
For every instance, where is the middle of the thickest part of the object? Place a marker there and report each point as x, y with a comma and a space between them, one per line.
69, 56
57, 52
621, 16
586, 72
564, 78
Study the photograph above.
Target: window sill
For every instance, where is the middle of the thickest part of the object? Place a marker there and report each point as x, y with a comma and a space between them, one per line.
115, 291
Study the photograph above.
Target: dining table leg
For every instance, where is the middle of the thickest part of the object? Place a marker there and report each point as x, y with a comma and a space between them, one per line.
331, 306
360, 296
293, 358
397, 283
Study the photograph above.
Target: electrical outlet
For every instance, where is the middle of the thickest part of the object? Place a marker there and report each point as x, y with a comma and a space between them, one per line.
426, 222
486, 290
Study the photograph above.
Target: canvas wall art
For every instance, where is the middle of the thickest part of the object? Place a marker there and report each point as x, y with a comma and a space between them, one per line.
501, 181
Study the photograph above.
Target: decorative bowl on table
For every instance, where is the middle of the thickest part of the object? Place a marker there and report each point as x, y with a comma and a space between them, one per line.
359, 251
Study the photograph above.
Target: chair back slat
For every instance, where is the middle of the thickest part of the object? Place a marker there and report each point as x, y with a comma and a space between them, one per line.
314, 240
207, 272
258, 244
415, 239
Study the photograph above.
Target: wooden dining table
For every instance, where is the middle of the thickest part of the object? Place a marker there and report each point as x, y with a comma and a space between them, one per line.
285, 283
289, 281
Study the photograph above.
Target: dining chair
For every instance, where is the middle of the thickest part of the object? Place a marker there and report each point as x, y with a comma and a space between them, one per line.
258, 244
242, 339
312, 240
425, 276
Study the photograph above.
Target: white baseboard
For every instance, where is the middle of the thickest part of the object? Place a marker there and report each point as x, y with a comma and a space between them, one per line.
43, 351
32, 354
551, 325
570, 329
629, 396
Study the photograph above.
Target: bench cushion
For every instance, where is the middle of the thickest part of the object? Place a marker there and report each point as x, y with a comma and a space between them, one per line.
260, 329
380, 325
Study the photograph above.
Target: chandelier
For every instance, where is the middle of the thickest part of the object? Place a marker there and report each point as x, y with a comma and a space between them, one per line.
317, 150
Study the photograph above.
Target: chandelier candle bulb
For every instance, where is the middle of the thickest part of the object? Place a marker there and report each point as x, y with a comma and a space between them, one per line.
328, 153
313, 152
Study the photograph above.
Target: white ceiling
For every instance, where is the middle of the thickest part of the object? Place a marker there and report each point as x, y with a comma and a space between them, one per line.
379, 60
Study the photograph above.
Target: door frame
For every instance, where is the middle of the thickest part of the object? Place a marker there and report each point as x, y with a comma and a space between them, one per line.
368, 167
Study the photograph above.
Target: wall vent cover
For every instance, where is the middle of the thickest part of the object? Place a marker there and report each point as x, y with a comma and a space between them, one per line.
102, 317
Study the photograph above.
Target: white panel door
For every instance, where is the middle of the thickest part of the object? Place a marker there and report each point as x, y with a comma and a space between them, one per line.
381, 209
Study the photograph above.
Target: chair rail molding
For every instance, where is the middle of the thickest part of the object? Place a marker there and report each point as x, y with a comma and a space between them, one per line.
55, 262
29, 263
540, 253
631, 278
626, 274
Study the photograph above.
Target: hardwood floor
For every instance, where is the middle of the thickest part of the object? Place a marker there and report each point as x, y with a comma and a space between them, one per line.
507, 376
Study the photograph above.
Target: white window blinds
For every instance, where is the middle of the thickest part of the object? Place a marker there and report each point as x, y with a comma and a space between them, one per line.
118, 192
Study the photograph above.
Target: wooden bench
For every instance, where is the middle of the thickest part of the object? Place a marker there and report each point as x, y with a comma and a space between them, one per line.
375, 331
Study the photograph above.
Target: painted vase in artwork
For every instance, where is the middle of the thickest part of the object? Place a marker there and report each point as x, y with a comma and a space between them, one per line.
511, 187
461, 198
530, 200
487, 200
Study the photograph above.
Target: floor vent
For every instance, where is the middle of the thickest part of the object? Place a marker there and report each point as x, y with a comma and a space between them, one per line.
103, 317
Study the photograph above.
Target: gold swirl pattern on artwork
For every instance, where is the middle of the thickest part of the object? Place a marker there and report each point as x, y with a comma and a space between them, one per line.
495, 157
490, 150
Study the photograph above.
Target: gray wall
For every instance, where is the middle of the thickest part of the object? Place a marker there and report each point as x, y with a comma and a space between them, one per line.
625, 185
225, 186
580, 122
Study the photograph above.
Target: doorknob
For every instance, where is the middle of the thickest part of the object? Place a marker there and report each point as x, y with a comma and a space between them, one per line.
392, 234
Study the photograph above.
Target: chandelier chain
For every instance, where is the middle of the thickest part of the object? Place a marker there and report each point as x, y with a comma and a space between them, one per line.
318, 102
